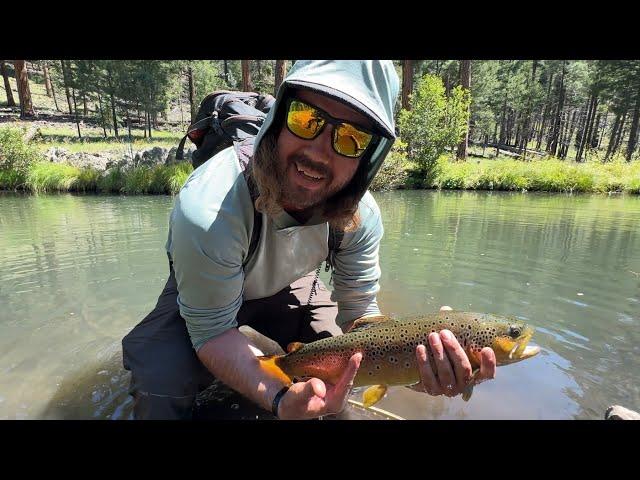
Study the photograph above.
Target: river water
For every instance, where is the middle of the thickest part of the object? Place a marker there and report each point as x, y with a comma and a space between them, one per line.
78, 272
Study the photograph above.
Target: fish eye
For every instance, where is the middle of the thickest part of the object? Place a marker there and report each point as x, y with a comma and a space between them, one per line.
514, 331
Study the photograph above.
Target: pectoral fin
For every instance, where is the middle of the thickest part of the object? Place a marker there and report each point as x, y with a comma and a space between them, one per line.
293, 346
468, 390
373, 395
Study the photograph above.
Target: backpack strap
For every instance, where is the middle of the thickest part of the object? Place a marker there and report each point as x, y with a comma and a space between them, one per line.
244, 151
195, 133
335, 239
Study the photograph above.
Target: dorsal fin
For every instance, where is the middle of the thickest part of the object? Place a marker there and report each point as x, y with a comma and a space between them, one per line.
293, 346
366, 322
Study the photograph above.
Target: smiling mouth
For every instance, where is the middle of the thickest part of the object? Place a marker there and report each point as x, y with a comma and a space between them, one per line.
309, 173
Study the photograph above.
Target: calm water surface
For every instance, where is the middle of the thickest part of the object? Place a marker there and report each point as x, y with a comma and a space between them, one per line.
78, 272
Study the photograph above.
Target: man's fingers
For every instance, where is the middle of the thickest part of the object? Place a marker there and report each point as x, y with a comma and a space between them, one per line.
427, 375
339, 393
487, 364
443, 365
346, 381
458, 357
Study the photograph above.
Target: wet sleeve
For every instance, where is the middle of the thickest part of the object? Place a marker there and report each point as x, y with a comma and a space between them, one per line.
356, 271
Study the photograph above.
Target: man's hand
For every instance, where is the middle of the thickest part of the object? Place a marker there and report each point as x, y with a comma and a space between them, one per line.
452, 371
314, 398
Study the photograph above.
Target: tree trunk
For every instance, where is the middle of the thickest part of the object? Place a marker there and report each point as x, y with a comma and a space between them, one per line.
407, 83
101, 115
24, 94
246, 76
192, 93
565, 147
585, 130
594, 110
620, 135
503, 119
545, 114
7, 86
556, 126
613, 136
149, 123
527, 118
226, 71
517, 122
503, 125
113, 103
84, 105
590, 123
181, 113
65, 80
53, 94
634, 131
281, 69
595, 135
562, 131
47, 78
75, 110
465, 81
602, 129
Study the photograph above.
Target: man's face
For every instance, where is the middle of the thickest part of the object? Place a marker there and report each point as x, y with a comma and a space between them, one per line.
311, 170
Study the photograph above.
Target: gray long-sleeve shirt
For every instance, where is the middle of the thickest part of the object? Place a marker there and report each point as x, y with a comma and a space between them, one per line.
209, 234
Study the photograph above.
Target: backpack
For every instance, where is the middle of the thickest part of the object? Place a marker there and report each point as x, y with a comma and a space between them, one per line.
227, 118
224, 118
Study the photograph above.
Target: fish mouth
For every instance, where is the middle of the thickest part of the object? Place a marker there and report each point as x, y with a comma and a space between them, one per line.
521, 350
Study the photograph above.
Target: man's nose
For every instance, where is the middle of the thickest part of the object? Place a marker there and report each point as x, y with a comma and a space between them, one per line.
320, 148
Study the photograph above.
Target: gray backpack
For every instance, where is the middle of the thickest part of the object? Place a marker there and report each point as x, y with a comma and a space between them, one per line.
225, 118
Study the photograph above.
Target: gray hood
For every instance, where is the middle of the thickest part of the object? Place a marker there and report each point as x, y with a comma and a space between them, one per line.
369, 86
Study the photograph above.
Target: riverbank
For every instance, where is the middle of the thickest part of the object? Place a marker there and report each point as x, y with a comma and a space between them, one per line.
549, 175
546, 175
43, 177
145, 166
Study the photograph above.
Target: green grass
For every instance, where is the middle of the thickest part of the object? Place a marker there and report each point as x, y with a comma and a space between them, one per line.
549, 175
12, 179
51, 177
54, 177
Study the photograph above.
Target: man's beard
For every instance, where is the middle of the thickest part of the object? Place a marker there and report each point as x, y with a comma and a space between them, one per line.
297, 197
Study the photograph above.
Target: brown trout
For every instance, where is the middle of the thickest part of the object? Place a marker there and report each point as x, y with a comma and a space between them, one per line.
388, 349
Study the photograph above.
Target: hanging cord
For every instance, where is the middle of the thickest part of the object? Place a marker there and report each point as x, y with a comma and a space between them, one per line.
314, 285
376, 410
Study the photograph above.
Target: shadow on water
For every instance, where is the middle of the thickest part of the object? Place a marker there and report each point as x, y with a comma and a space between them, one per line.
97, 391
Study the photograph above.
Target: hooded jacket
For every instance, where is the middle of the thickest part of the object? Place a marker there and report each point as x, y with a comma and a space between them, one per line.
212, 219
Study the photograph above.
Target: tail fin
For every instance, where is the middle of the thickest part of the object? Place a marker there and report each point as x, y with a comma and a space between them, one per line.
270, 364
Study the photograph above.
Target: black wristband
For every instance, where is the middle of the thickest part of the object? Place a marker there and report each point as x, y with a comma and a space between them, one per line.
276, 400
